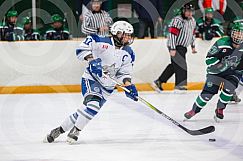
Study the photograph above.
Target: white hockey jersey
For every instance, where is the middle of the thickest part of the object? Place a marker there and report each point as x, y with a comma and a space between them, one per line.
118, 63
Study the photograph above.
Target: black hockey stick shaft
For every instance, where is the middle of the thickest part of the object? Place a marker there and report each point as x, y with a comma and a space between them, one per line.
202, 131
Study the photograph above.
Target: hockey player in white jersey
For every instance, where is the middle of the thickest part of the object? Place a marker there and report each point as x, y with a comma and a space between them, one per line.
105, 56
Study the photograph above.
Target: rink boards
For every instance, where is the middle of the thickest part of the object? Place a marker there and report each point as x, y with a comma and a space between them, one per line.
52, 66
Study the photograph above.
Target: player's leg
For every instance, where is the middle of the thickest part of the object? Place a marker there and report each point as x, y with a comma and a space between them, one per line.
93, 101
235, 98
211, 88
230, 84
70, 121
142, 29
180, 67
89, 109
163, 78
152, 29
67, 124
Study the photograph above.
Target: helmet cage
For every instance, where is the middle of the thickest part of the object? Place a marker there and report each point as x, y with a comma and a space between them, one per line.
119, 41
123, 28
237, 36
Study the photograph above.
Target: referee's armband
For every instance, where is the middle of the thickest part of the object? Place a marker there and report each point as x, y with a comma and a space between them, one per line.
174, 30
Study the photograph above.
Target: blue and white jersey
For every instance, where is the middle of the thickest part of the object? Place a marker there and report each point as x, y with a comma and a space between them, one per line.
118, 63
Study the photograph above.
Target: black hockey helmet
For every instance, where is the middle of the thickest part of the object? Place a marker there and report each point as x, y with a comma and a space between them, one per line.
97, 1
187, 7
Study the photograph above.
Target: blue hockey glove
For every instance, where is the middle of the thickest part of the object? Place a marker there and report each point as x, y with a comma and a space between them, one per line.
95, 67
133, 92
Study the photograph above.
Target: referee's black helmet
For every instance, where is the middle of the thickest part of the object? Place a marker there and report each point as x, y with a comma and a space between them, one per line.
187, 6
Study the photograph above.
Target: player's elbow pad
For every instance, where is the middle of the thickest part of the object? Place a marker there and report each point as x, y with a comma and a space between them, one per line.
81, 54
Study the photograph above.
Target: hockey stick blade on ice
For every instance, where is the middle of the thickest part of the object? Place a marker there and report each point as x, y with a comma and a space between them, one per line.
202, 131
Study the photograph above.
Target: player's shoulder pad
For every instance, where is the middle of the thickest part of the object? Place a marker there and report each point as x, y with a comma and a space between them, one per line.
178, 18
19, 26
50, 29
220, 45
103, 39
224, 41
200, 21
66, 29
216, 21
36, 31
130, 51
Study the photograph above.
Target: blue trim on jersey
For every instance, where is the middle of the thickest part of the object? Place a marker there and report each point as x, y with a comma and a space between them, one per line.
90, 111
75, 115
90, 87
101, 39
78, 51
130, 51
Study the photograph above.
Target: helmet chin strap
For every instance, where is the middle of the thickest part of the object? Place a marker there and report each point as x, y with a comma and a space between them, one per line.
117, 41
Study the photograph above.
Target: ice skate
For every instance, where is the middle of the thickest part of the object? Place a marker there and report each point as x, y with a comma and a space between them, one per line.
188, 115
235, 99
53, 135
157, 85
219, 115
72, 136
180, 90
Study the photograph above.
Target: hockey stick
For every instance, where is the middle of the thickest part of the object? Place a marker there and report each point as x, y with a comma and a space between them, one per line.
202, 131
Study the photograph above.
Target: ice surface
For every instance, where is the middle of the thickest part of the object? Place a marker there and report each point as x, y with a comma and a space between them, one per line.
122, 131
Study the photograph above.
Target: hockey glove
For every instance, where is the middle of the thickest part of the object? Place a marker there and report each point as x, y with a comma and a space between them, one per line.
95, 67
133, 92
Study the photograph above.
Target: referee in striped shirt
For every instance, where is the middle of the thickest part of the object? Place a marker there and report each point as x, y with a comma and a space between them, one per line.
96, 21
181, 35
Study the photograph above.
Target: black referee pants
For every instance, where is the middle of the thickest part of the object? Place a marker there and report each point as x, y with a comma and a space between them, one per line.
178, 66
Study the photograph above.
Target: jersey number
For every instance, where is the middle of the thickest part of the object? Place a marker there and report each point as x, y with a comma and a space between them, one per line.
87, 41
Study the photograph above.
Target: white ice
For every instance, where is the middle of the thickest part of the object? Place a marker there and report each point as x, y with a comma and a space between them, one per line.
123, 130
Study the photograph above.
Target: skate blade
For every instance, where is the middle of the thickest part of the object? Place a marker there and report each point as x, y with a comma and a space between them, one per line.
216, 119
185, 120
71, 141
180, 91
233, 103
155, 88
45, 140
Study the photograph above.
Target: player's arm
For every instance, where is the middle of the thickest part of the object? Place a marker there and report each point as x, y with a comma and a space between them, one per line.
174, 31
218, 29
193, 46
213, 60
84, 51
124, 75
19, 33
66, 34
239, 68
87, 27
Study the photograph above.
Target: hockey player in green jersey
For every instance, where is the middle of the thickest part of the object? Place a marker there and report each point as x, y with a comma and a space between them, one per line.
9, 30
29, 32
57, 31
209, 27
224, 69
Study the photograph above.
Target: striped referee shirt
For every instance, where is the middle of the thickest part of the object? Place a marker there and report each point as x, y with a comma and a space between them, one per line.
181, 32
95, 20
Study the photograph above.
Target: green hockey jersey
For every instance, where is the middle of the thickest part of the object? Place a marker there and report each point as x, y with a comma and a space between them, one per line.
224, 58
209, 30
11, 32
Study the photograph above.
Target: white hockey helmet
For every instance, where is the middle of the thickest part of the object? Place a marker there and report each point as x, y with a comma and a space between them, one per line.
125, 29
121, 26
